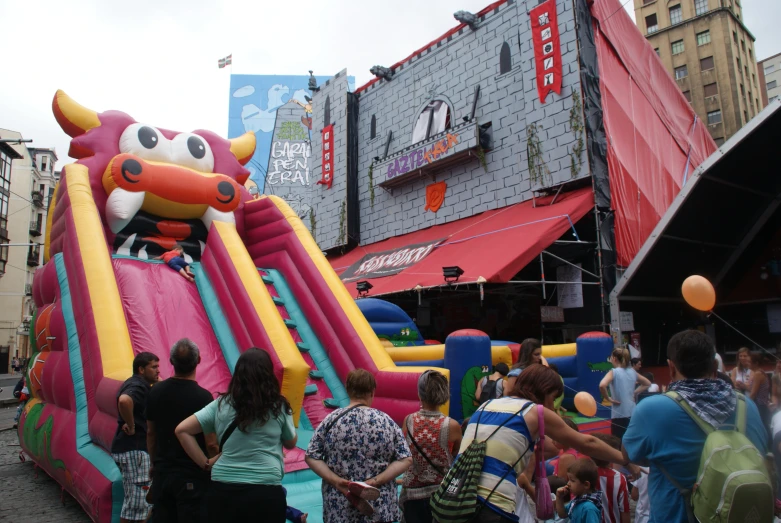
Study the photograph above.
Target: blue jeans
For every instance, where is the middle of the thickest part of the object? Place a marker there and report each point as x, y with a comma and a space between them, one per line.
178, 263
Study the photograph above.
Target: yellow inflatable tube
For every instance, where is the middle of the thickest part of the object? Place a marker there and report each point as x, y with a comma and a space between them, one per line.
559, 351
499, 354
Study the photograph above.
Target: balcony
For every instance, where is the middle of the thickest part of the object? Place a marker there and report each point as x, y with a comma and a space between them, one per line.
3, 233
35, 228
33, 256
28, 289
442, 150
24, 328
37, 197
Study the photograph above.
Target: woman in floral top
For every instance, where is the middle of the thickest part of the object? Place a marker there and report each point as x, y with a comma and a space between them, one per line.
358, 443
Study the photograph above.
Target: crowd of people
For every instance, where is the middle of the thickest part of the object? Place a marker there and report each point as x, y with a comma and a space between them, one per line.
185, 456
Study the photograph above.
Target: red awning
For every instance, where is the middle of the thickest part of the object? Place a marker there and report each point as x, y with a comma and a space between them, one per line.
494, 245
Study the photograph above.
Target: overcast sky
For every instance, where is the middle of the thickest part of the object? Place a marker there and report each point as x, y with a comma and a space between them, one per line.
157, 59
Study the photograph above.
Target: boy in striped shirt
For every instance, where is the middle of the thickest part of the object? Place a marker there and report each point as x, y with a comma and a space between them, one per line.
615, 493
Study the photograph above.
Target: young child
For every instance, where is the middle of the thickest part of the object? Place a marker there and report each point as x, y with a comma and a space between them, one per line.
586, 505
615, 493
640, 494
567, 455
175, 259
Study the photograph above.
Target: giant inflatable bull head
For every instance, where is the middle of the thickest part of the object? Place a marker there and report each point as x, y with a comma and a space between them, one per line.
154, 187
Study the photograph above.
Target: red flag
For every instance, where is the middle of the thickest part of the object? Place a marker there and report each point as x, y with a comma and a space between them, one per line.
547, 48
327, 167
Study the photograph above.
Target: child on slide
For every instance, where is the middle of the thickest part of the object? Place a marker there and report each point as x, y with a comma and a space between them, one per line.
175, 259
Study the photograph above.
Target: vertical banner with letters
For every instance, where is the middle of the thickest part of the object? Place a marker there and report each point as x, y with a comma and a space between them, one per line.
327, 167
547, 48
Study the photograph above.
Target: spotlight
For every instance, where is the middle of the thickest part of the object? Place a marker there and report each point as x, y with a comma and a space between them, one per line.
363, 288
452, 274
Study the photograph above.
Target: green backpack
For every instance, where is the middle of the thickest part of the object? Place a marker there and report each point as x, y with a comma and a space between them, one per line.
456, 499
733, 484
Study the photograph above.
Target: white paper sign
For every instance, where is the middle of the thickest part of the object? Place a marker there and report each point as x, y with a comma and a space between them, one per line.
627, 320
570, 294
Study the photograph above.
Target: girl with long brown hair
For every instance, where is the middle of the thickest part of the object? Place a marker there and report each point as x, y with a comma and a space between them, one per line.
253, 422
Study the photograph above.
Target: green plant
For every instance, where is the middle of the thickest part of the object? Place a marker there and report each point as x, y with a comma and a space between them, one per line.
578, 130
480, 152
371, 183
538, 170
313, 223
342, 223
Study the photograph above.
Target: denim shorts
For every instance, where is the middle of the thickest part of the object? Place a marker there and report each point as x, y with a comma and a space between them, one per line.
178, 263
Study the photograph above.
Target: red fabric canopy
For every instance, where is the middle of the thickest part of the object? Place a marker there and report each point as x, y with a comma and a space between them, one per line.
495, 244
655, 141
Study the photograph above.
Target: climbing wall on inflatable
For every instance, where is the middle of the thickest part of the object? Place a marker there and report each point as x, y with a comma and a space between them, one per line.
102, 297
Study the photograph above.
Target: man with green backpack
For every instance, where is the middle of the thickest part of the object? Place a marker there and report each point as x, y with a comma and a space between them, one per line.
705, 443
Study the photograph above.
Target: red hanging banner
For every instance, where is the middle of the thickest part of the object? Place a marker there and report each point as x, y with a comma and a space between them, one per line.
547, 48
327, 167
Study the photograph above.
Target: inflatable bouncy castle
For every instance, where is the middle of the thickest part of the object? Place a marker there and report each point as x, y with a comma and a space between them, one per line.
469, 355
101, 297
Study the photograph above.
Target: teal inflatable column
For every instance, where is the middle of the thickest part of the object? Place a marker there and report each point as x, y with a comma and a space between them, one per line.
593, 359
468, 356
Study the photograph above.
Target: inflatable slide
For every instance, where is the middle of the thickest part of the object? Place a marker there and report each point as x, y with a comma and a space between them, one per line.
261, 280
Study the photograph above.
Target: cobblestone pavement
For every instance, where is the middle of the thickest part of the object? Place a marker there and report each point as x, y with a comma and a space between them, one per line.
27, 499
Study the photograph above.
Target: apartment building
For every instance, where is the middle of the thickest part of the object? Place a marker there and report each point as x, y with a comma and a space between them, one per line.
23, 211
710, 52
769, 71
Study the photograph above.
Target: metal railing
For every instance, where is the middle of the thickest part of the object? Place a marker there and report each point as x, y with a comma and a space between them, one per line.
37, 197
35, 228
34, 256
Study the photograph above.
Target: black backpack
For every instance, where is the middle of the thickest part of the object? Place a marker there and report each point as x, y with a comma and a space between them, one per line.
489, 391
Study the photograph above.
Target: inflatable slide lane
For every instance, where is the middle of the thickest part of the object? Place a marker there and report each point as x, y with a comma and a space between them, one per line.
103, 297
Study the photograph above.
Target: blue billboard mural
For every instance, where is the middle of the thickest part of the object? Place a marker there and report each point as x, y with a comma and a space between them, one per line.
254, 100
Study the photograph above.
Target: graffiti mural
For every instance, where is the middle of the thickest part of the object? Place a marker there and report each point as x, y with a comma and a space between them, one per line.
290, 159
254, 101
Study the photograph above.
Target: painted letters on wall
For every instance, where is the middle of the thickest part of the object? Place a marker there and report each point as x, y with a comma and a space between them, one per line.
253, 106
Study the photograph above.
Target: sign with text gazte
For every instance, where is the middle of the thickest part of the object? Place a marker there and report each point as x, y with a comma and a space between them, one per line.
429, 155
388, 263
547, 48
327, 178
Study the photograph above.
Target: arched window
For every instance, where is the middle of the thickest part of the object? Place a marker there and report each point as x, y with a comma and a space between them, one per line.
434, 119
373, 128
327, 112
505, 60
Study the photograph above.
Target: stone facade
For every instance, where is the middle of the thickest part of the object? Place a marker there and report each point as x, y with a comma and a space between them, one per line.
449, 70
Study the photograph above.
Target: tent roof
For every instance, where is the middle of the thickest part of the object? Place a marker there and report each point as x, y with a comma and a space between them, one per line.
724, 214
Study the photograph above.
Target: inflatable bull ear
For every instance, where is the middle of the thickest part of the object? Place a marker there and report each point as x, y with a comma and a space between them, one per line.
74, 118
243, 147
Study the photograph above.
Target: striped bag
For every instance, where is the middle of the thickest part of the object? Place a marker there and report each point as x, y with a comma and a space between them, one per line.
456, 499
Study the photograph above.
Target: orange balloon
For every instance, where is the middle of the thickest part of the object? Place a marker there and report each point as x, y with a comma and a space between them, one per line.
699, 293
585, 404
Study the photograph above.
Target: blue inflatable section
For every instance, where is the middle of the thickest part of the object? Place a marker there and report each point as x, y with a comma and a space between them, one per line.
390, 322
468, 356
584, 370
